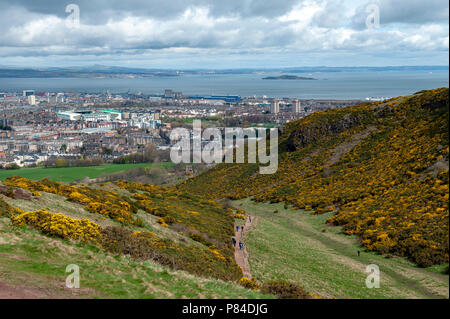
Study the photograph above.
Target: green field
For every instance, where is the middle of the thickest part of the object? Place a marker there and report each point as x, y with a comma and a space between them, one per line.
70, 174
297, 246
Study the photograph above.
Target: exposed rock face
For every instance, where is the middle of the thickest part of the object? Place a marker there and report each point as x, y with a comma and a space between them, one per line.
302, 136
307, 135
15, 193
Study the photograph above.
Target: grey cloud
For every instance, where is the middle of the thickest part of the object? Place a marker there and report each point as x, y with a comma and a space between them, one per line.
405, 11
233, 27
99, 11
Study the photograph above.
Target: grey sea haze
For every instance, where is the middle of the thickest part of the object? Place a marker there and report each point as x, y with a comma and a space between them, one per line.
329, 85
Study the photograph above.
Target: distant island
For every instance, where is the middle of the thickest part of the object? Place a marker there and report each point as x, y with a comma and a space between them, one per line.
288, 77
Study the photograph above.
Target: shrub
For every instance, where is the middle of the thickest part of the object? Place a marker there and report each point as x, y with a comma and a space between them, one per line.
249, 283
169, 220
6, 210
198, 237
146, 245
119, 240
10, 192
12, 166
139, 222
284, 290
59, 225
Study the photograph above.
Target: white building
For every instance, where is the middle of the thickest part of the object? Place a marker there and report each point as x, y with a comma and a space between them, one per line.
275, 107
31, 99
72, 116
114, 115
94, 117
296, 106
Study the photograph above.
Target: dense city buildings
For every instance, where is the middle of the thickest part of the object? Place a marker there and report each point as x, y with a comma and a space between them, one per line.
38, 126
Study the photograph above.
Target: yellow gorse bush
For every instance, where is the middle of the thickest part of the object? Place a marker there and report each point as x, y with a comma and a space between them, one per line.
96, 201
59, 225
249, 283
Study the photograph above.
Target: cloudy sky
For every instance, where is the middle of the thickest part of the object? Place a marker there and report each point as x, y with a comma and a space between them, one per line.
224, 33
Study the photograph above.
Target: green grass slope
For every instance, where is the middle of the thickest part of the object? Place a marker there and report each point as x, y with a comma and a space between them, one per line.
296, 246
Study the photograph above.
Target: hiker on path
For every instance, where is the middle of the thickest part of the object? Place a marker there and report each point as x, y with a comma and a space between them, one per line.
241, 245
234, 241
359, 252
237, 228
242, 228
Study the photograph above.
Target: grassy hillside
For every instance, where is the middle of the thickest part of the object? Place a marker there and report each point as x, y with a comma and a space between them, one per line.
34, 265
71, 174
296, 246
380, 168
130, 240
177, 230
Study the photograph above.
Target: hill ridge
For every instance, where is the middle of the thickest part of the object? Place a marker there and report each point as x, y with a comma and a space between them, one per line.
387, 189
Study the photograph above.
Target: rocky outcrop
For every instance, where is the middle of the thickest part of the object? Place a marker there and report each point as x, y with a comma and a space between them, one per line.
308, 134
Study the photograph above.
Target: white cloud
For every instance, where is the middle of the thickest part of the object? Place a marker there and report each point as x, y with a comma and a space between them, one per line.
294, 27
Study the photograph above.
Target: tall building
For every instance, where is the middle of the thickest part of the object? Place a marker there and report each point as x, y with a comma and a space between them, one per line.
32, 100
296, 106
28, 92
60, 98
275, 107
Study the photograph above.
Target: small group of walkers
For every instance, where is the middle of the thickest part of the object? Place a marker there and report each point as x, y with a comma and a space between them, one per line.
241, 245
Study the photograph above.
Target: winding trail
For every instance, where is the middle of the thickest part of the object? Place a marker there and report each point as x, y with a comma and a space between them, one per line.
241, 256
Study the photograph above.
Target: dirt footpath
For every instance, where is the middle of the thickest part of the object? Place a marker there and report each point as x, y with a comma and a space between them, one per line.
241, 255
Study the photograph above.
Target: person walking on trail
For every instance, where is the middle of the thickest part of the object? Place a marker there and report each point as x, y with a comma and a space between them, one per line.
237, 228
234, 241
242, 228
359, 252
250, 219
241, 245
